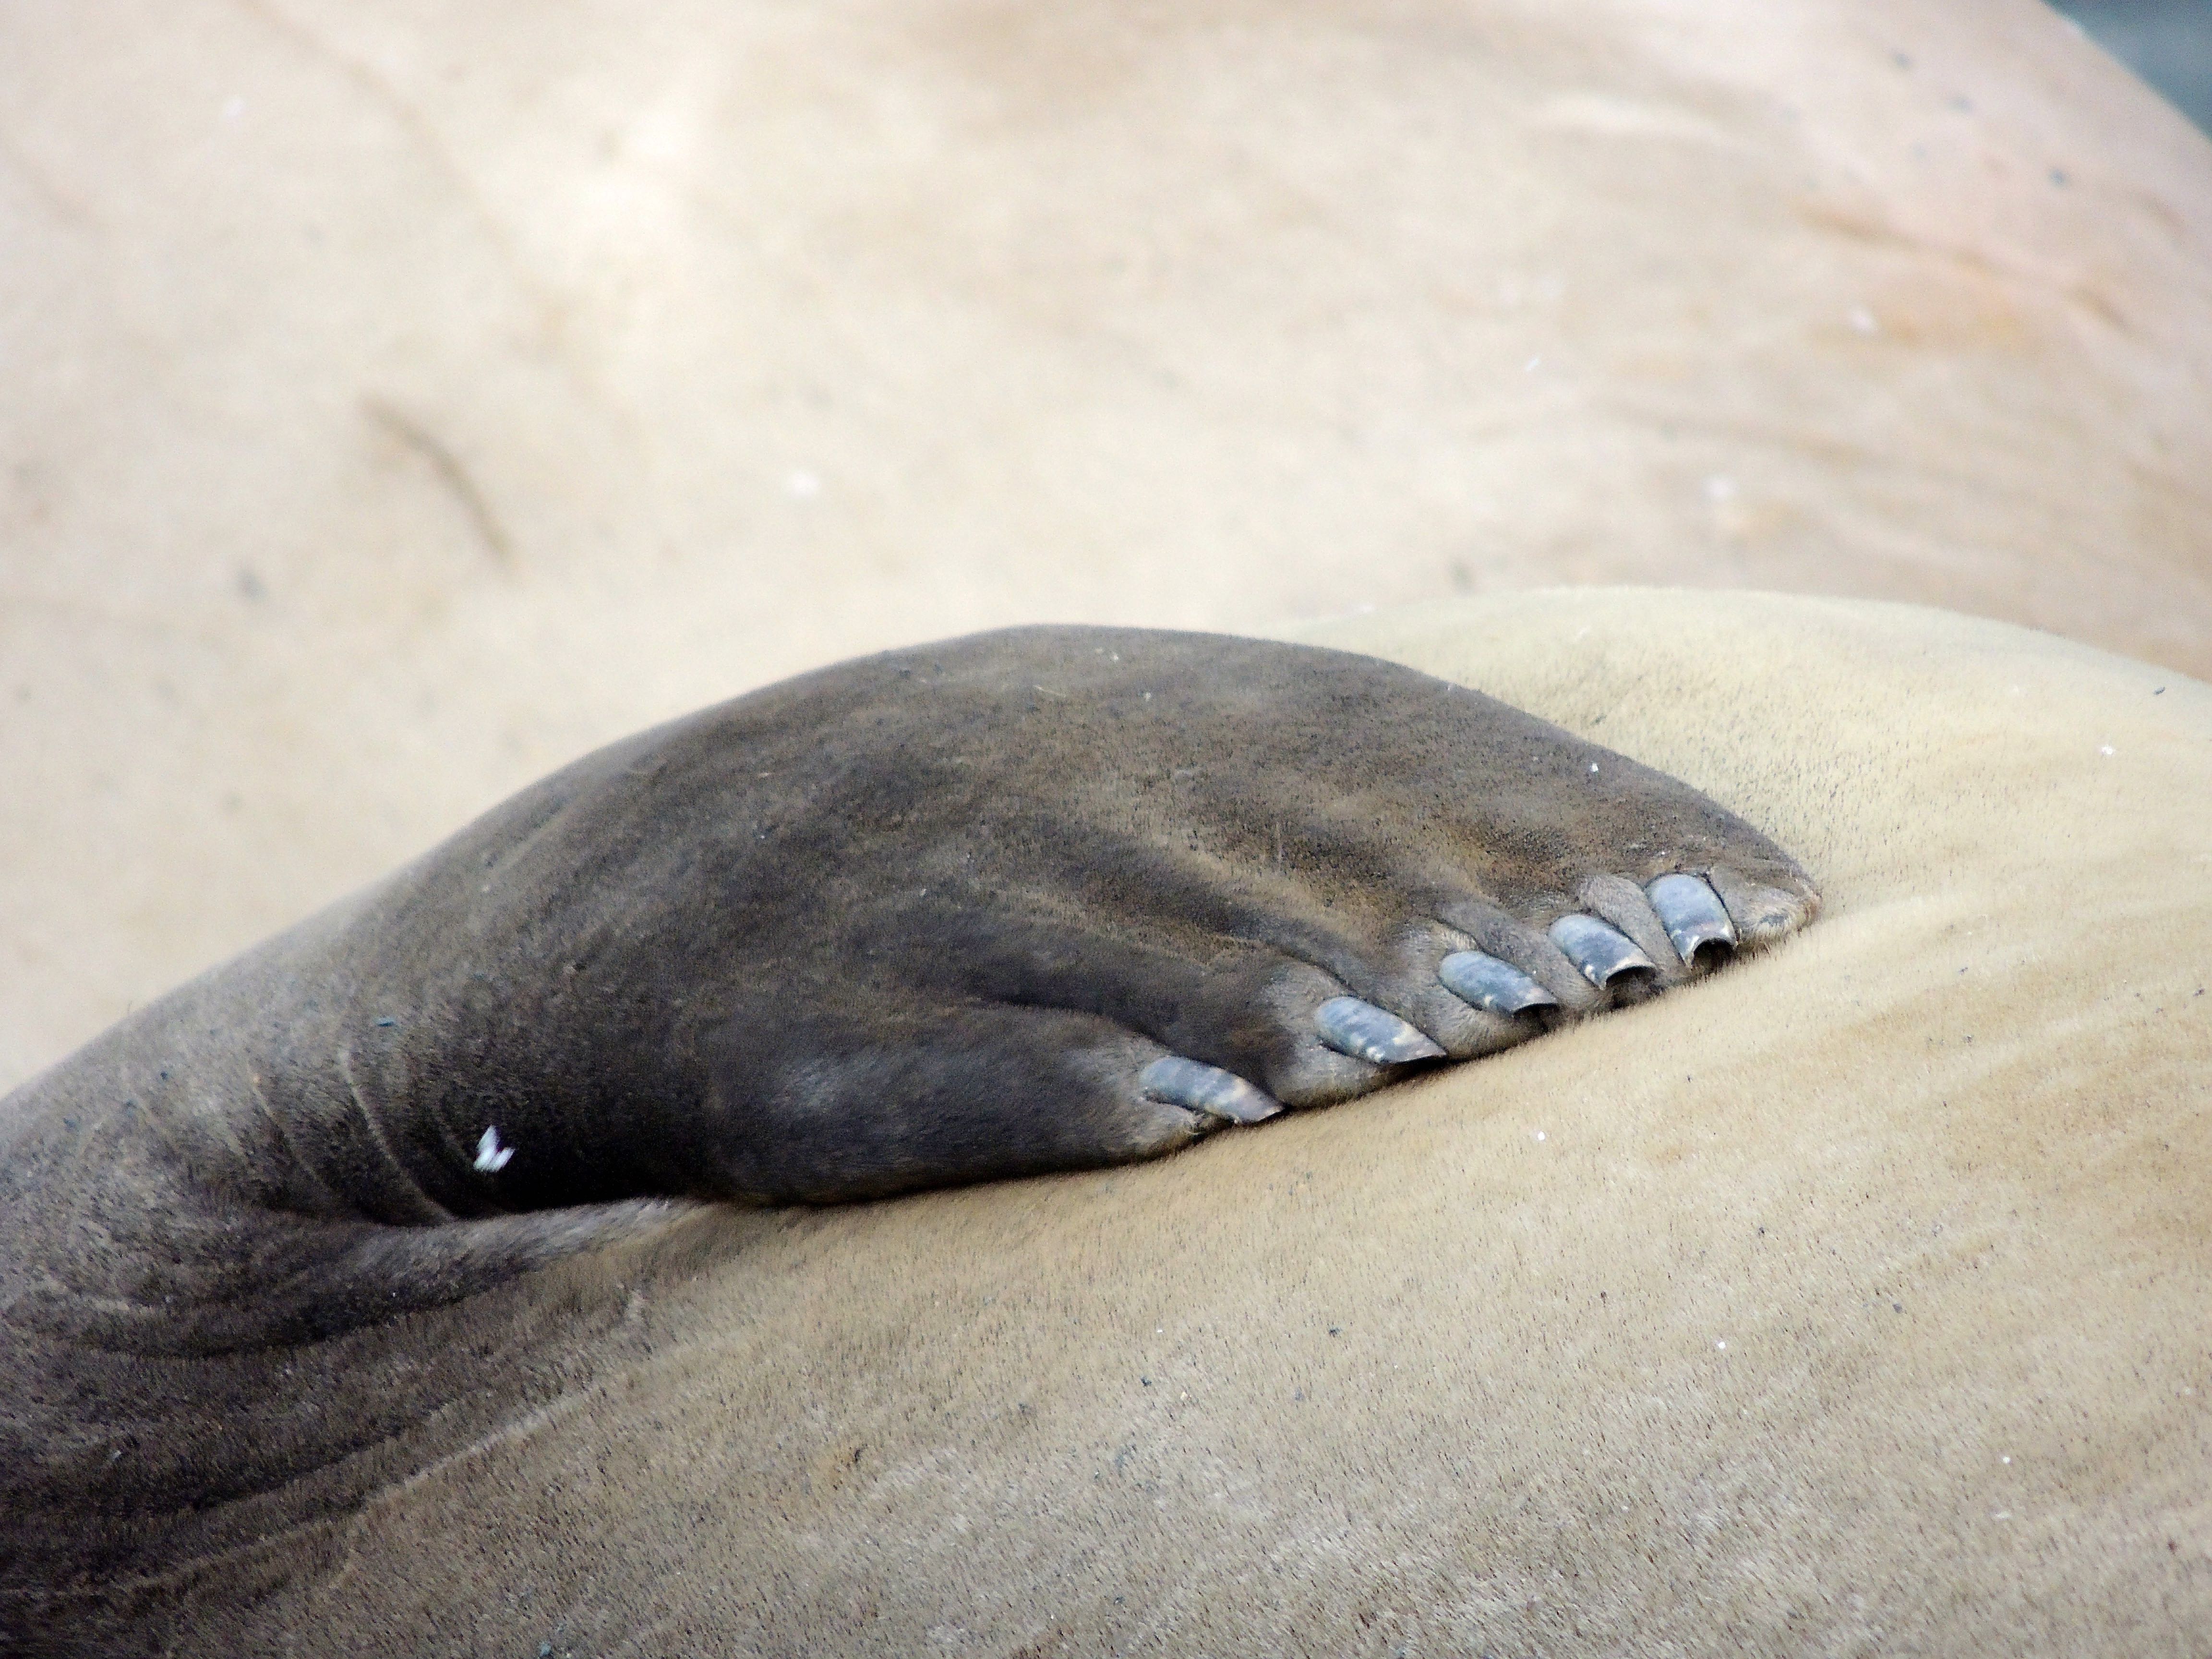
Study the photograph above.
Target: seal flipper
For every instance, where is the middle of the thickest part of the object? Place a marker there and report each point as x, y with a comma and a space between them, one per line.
929, 918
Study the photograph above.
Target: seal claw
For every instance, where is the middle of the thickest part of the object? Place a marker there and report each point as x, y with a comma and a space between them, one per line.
1691, 913
1207, 1088
1366, 1032
1601, 952
1483, 980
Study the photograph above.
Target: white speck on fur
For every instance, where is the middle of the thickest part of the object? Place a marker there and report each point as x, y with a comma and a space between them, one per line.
2106, 749
1532, 364
1539, 1134
803, 486
491, 1156
1723, 1343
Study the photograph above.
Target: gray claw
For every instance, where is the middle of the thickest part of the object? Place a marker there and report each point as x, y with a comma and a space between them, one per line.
1599, 950
1486, 982
1691, 913
1207, 1088
1366, 1032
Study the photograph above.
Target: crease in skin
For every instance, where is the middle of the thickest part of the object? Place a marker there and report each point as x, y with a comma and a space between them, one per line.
451, 472
347, 1529
431, 1209
388, 1270
297, 1168
388, 1495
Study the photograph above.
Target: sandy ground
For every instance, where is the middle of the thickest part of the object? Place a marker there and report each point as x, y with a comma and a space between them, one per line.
402, 400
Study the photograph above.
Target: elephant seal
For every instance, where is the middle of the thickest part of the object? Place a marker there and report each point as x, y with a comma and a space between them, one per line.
1030, 902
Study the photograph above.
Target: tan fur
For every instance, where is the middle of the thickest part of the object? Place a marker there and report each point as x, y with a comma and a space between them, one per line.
1711, 1325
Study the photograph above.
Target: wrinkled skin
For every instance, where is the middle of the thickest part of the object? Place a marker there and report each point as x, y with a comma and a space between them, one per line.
919, 920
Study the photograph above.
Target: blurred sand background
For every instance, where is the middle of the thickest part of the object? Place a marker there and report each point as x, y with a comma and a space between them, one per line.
402, 399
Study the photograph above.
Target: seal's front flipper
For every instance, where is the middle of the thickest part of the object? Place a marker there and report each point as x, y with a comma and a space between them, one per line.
1041, 900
